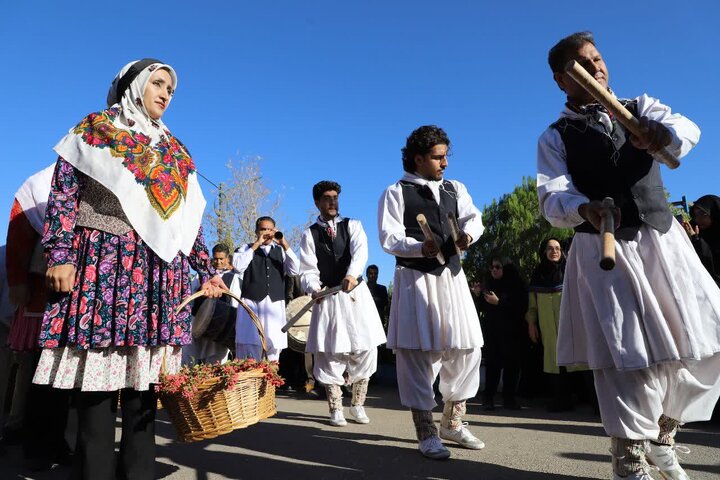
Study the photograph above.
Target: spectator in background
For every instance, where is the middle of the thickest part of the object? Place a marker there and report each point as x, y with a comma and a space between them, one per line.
378, 292
503, 303
543, 318
704, 232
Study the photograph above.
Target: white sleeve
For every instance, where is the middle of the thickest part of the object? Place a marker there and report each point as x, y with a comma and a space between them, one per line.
358, 248
242, 258
469, 217
309, 272
559, 199
685, 133
291, 262
235, 287
391, 228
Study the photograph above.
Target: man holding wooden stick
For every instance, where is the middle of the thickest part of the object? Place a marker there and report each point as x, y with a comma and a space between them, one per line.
434, 327
345, 329
649, 327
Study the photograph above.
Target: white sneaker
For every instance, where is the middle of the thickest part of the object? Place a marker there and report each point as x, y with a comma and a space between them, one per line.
665, 459
462, 437
358, 414
642, 475
433, 448
337, 419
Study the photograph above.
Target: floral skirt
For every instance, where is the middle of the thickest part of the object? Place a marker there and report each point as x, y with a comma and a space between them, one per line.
124, 295
106, 369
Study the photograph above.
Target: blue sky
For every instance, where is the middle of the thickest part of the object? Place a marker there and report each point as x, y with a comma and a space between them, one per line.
331, 89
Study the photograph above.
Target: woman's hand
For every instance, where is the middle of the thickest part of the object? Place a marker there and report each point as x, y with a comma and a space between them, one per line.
214, 287
491, 298
60, 278
692, 232
533, 332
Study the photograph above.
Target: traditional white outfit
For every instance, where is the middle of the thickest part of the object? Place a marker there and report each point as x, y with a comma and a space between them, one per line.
345, 328
433, 327
270, 311
432, 316
649, 328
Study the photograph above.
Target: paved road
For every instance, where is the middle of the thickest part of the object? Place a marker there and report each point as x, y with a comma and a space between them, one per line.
298, 443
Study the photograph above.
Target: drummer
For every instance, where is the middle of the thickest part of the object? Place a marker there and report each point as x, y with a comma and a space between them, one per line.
205, 350
262, 265
345, 329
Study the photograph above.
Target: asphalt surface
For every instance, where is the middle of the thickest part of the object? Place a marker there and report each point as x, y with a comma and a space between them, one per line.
299, 443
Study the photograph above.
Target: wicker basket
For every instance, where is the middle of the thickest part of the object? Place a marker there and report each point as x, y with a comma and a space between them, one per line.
214, 410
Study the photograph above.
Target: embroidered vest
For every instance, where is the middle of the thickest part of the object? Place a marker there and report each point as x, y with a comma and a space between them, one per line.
100, 209
265, 276
608, 165
420, 199
333, 256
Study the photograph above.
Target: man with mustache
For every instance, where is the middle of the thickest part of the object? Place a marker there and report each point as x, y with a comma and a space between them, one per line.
649, 328
434, 327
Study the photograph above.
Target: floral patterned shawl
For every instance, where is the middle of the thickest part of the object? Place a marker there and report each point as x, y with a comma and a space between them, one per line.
142, 164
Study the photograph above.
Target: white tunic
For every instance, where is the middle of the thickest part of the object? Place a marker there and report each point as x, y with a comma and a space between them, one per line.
344, 322
658, 304
428, 312
271, 314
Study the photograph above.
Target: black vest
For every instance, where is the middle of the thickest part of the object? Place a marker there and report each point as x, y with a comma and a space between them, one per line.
603, 165
420, 199
333, 256
265, 276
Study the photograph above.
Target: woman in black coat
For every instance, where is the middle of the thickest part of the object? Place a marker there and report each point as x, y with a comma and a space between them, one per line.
704, 232
503, 303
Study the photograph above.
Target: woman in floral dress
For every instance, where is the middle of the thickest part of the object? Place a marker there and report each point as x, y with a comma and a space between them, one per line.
122, 229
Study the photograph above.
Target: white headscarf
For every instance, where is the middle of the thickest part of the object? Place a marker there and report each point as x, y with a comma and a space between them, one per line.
33, 196
142, 164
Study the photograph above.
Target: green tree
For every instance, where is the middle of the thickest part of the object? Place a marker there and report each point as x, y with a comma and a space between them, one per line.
514, 229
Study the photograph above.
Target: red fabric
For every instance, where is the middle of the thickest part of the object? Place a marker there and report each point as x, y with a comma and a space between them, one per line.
21, 241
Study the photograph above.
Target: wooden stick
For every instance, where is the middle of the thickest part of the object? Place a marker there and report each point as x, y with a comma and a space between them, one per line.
585, 80
318, 296
607, 235
422, 221
454, 231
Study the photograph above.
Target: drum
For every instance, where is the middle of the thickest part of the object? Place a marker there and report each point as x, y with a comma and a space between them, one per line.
215, 320
298, 333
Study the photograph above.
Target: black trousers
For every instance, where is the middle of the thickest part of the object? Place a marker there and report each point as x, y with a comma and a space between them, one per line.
94, 454
510, 368
46, 415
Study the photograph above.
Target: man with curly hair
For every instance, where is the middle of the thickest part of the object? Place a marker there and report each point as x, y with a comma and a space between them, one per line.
345, 329
434, 327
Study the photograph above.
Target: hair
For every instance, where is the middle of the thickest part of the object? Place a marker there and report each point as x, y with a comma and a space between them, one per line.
263, 219
324, 186
372, 267
564, 50
420, 142
221, 248
511, 274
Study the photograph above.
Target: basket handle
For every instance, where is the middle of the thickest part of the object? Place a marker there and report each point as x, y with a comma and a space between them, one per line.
253, 316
